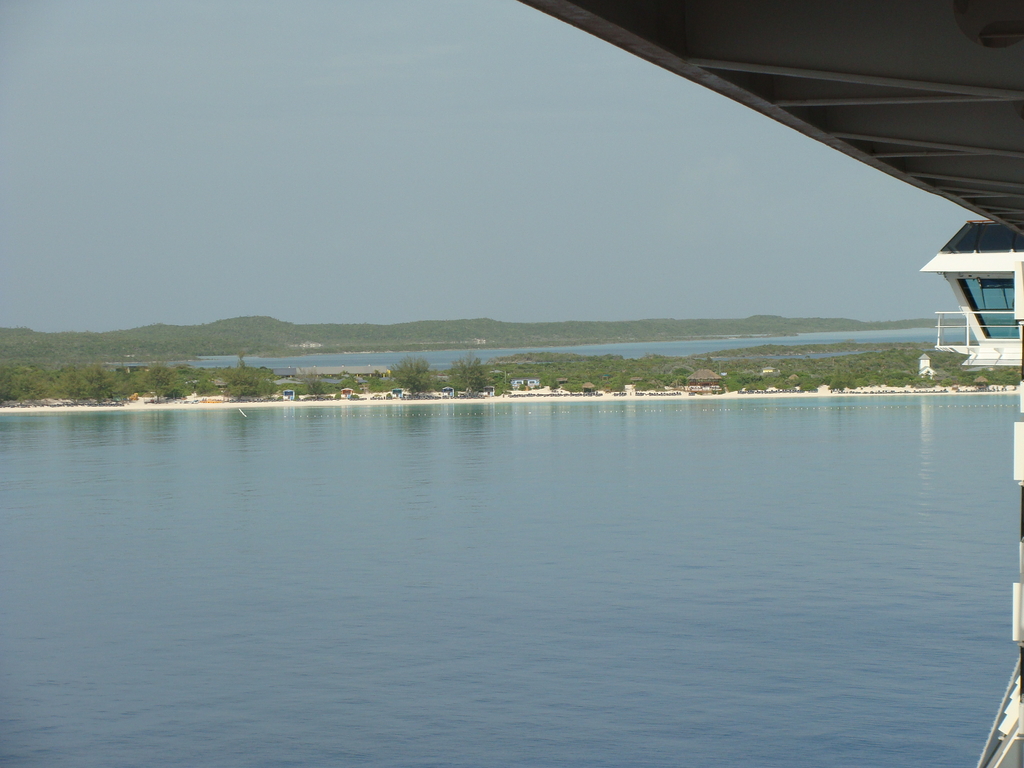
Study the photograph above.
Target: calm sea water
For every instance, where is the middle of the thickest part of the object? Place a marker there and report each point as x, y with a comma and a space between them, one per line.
578, 584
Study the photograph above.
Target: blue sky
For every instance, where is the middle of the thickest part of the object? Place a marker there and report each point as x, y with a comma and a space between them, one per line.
182, 162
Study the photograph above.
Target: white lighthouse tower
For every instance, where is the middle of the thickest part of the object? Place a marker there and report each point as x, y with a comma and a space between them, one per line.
984, 264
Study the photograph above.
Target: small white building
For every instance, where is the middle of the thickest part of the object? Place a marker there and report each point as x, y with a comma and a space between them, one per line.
924, 367
527, 382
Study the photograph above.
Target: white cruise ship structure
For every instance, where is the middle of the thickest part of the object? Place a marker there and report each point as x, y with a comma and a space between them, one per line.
984, 265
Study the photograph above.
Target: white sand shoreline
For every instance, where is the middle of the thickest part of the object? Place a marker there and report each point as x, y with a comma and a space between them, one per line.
142, 406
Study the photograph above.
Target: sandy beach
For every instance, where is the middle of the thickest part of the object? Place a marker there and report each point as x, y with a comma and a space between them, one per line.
197, 404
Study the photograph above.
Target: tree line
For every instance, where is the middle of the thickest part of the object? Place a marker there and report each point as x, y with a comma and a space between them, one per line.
99, 383
842, 366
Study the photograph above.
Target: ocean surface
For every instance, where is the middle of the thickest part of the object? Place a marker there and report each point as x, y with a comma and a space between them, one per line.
752, 583
443, 358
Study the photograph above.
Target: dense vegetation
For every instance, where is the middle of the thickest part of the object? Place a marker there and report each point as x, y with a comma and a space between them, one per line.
849, 365
97, 383
269, 337
846, 365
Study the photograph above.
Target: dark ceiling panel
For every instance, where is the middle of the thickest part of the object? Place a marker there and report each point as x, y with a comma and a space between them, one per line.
928, 91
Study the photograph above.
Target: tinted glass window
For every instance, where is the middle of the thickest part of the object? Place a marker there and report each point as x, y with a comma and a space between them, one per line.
998, 326
1018, 243
989, 292
996, 237
963, 241
992, 293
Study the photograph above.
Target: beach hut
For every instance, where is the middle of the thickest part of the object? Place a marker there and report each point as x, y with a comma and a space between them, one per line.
447, 392
288, 394
704, 381
981, 382
527, 382
347, 392
588, 386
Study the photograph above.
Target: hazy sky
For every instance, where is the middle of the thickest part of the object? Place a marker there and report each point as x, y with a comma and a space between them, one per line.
393, 160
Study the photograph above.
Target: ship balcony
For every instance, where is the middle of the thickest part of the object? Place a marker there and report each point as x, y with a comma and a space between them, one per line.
989, 337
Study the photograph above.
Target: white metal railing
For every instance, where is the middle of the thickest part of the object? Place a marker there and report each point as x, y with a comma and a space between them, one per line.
954, 329
964, 332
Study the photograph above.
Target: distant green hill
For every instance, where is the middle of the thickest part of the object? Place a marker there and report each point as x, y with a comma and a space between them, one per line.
268, 337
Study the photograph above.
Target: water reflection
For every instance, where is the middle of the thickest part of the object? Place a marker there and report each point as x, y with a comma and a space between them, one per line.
927, 450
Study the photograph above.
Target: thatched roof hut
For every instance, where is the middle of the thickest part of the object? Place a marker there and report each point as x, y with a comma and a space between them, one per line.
704, 380
704, 374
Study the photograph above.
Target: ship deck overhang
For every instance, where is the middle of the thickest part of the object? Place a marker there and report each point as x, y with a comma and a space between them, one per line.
928, 91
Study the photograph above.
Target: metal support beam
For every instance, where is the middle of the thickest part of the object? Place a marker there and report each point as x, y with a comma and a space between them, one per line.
964, 148
924, 153
858, 101
1015, 185
997, 94
972, 193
